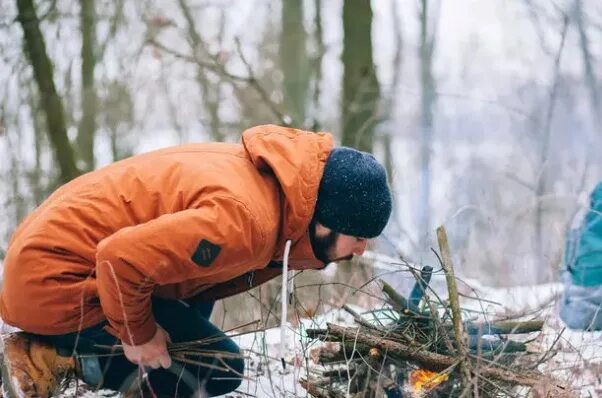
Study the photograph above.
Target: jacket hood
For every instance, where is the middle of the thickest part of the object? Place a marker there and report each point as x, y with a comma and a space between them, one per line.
297, 159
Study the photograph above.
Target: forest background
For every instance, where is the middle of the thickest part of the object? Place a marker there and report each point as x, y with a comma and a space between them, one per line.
487, 114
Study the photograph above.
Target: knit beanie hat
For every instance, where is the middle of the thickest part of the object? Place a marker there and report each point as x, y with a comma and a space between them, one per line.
353, 197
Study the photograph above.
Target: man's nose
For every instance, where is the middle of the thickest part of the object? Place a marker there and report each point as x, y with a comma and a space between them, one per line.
360, 248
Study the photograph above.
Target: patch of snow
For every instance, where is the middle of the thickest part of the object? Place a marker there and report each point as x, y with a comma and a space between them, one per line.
573, 357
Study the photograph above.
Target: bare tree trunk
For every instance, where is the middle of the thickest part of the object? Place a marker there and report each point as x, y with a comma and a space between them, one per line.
389, 108
317, 66
87, 124
117, 117
210, 91
360, 84
541, 182
39, 193
51, 102
593, 140
390, 129
15, 198
361, 93
294, 61
172, 109
590, 76
427, 101
116, 21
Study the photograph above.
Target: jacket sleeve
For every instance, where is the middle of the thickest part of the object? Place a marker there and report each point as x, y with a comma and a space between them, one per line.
220, 236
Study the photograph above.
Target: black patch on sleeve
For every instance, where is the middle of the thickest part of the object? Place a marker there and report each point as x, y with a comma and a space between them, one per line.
205, 253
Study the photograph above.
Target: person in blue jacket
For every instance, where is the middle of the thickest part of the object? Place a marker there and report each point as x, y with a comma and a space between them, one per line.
581, 304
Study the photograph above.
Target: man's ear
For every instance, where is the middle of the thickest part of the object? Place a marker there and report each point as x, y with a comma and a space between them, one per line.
321, 230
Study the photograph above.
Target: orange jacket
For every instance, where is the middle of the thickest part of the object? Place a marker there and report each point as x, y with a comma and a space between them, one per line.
175, 222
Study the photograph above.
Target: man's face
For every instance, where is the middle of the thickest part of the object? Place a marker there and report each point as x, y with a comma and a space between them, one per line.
330, 246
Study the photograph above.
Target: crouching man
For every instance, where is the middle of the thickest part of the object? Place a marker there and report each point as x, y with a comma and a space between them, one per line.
136, 253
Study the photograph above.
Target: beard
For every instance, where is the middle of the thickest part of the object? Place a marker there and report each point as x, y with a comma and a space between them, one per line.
323, 246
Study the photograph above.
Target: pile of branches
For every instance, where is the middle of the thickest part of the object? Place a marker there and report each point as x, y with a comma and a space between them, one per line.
423, 346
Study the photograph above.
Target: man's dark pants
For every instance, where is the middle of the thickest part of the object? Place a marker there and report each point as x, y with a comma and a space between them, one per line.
183, 322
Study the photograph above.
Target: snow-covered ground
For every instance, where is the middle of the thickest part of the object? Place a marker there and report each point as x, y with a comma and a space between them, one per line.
576, 357
573, 357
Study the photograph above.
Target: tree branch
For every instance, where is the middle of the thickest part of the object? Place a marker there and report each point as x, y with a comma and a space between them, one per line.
454, 303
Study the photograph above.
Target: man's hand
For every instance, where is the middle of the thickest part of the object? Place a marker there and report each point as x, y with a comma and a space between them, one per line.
151, 354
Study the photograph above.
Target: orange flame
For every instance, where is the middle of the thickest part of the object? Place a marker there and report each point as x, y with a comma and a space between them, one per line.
422, 380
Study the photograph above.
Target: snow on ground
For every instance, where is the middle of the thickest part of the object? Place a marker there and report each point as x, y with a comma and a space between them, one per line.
268, 378
572, 357
576, 357
265, 375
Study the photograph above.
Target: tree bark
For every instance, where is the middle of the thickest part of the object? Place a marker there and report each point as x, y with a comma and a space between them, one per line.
360, 83
294, 61
454, 304
588, 64
503, 327
39, 193
317, 67
593, 140
87, 124
546, 138
210, 92
391, 104
398, 302
51, 101
427, 101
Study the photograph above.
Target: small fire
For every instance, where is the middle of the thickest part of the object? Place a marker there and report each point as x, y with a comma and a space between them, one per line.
374, 353
422, 380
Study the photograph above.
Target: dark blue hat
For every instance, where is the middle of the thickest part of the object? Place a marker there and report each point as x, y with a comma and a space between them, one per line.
353, 198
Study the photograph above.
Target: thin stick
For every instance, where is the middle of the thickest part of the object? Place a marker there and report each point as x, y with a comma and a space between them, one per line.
454, 303
358, 318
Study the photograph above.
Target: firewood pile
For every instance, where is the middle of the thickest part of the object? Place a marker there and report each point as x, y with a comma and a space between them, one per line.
422, 346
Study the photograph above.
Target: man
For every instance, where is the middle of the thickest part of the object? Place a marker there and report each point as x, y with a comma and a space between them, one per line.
581, 304
137, 252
